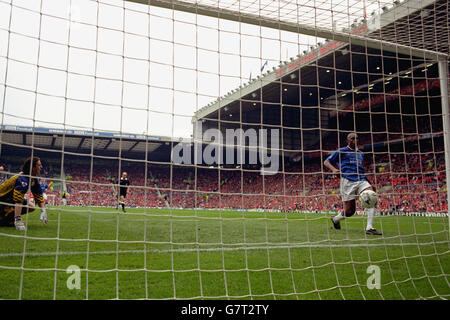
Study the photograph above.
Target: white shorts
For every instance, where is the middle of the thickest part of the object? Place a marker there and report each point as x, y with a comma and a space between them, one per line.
45, 196
350, 190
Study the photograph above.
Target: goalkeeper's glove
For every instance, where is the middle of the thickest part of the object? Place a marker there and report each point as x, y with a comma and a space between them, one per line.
44, 217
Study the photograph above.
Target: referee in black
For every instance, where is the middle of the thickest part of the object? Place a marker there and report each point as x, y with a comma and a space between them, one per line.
123, 189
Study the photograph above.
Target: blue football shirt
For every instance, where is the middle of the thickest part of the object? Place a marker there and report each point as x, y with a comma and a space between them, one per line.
44, 187
350, 162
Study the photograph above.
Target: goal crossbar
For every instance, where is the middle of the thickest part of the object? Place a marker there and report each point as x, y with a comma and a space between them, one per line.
348, 37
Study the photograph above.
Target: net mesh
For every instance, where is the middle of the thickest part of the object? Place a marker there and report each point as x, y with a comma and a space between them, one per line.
222, 114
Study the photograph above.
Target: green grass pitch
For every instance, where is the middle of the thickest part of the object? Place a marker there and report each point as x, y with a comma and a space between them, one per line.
193, 254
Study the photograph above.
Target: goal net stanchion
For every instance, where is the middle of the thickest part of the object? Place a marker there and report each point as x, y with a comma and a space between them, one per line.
445, 94
287, 82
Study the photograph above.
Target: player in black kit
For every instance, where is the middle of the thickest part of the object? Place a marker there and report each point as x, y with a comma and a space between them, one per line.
123, 189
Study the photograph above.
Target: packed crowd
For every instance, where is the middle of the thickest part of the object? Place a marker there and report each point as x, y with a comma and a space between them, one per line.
410, 181
413, 182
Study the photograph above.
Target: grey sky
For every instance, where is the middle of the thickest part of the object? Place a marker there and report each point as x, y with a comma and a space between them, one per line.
143, 70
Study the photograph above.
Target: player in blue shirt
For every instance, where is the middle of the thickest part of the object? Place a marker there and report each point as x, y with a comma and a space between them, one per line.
348, 162
44, 187
12, 195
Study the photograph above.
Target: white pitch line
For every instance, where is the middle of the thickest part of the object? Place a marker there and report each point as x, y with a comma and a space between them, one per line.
215, 249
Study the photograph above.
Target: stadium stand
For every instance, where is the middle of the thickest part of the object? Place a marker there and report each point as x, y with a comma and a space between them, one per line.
407, 182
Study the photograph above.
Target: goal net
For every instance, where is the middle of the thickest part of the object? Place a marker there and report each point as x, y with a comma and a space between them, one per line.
193, 148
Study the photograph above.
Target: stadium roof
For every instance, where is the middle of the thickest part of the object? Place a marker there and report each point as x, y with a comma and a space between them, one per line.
83, 141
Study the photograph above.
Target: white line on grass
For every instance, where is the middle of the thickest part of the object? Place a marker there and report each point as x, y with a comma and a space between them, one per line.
215, 249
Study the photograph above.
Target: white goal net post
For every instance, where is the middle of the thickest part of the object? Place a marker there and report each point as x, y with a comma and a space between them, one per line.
52, 200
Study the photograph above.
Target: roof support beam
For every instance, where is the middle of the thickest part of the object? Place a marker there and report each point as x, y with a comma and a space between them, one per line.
81, 143
108, 143
53, 140
133, 146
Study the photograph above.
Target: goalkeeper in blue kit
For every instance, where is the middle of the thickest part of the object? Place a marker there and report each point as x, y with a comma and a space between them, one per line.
349, 162
12, 195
